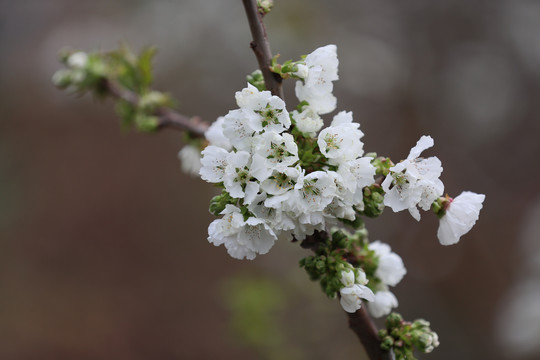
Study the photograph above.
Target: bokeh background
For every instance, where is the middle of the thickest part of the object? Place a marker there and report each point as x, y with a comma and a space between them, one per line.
103, 251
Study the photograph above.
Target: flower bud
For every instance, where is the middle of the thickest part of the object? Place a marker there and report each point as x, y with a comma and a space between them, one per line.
77, 60
347, 278
146, 123
62, 78
152, 100
301, 71
387, 343
361, 277
393, 320
256, 79
265, 6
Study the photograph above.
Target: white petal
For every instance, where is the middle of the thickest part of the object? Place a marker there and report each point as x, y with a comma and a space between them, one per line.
383, 304
424, 143
460, 217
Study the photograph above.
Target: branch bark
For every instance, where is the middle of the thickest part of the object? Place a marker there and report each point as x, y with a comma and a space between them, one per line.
168, 118
261, 48
364, 328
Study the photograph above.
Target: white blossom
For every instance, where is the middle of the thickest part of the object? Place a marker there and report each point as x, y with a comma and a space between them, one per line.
271, 111
242, 239
276, 218
390, 269
341, 140
308, 121
273, 151
257, 236
342, 205
347, 278
301, 71
237, 128
282, 181
357, 174
313, 192
414, 181
190, 159
213, 163
351, 297
460, 217
215, 136
77, 60
237, 177
316, 88
225, 232
383, 303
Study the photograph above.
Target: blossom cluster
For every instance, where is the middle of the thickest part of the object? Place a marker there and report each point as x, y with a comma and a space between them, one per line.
285, 176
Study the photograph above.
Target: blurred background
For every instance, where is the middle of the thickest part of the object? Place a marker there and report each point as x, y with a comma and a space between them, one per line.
103, 250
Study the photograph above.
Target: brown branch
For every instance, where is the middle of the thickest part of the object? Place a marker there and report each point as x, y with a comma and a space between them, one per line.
364, 328
261, 47
167, 117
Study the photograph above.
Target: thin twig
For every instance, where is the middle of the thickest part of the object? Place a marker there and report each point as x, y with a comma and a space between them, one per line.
168, 118
261, 48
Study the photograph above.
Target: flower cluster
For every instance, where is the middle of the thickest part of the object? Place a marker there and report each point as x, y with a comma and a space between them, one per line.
286, 176
284, 179
405, 337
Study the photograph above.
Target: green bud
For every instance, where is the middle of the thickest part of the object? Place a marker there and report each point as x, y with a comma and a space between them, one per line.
372, 155
393, 320
387, 343
96, 67
265, 6
256, 79
440, 205
420, 324
422, 341
152, 100
382, 165
373, 201
146, 123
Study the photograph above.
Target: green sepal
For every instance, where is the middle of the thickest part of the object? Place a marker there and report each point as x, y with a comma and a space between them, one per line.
219, 202
382, 164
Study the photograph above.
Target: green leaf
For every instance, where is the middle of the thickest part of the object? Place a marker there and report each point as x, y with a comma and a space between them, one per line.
145, 66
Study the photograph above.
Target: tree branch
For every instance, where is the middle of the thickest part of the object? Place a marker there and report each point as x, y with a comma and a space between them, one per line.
261, 48
168, 118
362, 325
